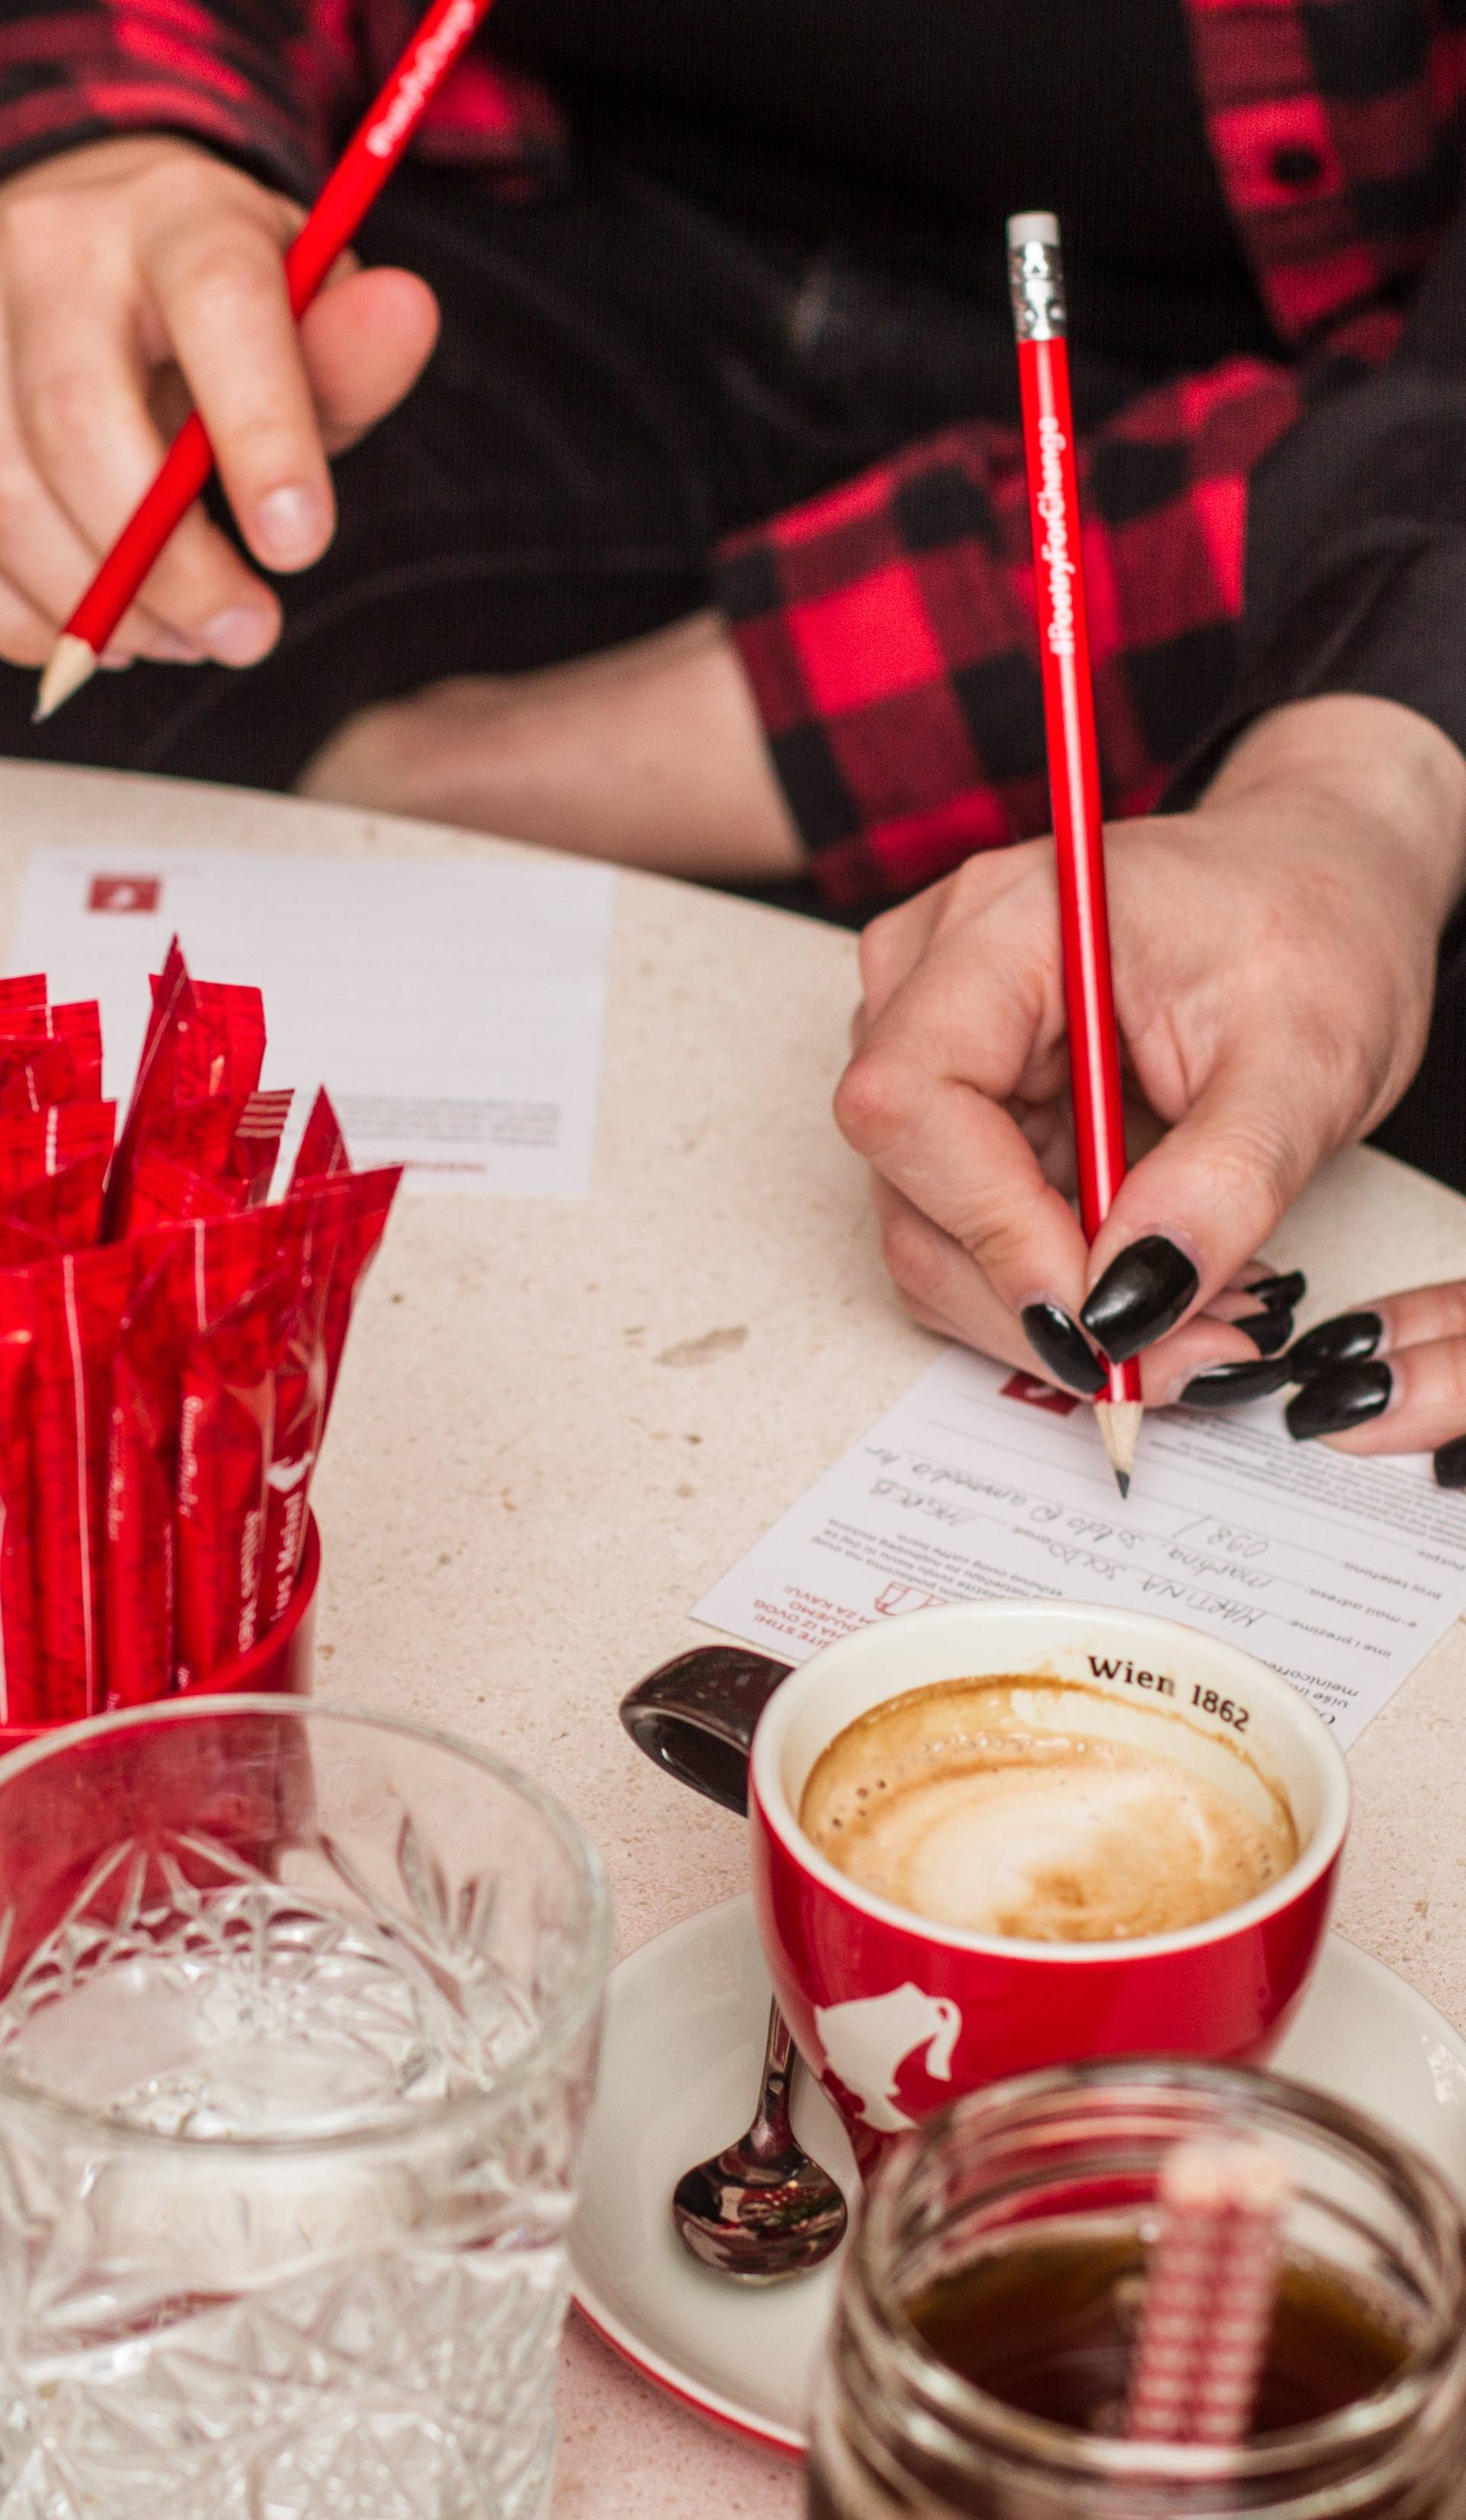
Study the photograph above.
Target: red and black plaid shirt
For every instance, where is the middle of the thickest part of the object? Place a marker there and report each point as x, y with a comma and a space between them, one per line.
886, 626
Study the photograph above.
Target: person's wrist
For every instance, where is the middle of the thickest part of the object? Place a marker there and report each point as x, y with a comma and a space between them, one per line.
1367, 777
110, 161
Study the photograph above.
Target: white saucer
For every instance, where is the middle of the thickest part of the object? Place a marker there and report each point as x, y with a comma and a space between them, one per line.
685, 2029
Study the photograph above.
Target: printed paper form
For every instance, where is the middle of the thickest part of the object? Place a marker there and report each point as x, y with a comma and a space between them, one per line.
453, 1011
982, 1484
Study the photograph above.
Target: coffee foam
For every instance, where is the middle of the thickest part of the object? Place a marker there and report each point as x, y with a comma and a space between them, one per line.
1010, 1806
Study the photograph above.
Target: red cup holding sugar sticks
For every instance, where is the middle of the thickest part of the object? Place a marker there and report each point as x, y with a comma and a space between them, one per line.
279, 1662
169, 1346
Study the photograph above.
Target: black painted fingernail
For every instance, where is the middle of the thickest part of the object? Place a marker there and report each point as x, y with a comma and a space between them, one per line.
1341, 1342
1287, 1291
1450, 1464
1348, 1396
1141, 1295
1223, 1386
1061, 1345
1268, 1331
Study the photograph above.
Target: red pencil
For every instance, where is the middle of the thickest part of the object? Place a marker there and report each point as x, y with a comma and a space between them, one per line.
1036, 281
348, 195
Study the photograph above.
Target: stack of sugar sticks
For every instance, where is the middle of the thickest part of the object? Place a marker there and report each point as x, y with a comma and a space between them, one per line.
169, 1345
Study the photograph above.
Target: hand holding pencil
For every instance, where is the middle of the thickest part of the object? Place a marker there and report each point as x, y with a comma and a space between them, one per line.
348, 193
961, 1092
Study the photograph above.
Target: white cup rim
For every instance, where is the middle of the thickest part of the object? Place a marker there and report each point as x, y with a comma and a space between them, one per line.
769, 1801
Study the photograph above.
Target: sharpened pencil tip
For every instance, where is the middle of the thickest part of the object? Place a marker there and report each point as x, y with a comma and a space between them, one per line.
1120, 1426
72, 664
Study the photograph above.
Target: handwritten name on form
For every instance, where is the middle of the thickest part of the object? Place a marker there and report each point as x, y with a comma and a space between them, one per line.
983, 1485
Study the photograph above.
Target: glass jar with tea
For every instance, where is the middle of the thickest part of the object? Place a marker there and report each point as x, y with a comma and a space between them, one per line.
991, 2342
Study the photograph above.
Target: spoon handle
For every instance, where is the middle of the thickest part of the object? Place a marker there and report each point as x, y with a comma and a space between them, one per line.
779, 2047
770, 2132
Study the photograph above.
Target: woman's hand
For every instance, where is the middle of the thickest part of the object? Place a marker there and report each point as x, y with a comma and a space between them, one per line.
1273, 957
137, 276
1389, 1378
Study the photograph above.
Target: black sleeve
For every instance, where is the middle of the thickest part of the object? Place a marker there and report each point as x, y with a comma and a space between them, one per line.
1356, 564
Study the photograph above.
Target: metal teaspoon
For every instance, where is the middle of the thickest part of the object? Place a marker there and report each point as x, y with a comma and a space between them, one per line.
761, 2210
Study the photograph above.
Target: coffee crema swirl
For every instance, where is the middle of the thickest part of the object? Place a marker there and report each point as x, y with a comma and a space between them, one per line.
1004, 1806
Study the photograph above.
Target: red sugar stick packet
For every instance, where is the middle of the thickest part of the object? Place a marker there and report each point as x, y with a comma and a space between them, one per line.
212, 1264
25, 1032
332, 1231
26, 1016
24, 1005
224, 1262
329, 1241
24, 993
322, 1151
232, 1024
199, 1161
142, 1472
45, 1072
197, 1134
256, 1148
62, 1064
21, 1246
19, 1697
300, 1397
225, 1429
80, 1303
79, 1023
199, 1277
206, 1042
66, 1206
205, 1038
165, 1192
34, 1145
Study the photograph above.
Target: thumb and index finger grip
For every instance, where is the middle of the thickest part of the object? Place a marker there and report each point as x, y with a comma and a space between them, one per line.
224, 301
960, 1159
1201, 1204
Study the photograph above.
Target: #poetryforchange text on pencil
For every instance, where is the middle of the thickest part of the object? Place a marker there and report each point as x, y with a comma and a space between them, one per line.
420, 78
1054, 553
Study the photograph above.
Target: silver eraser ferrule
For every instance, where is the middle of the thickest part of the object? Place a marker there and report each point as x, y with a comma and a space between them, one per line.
1036, 277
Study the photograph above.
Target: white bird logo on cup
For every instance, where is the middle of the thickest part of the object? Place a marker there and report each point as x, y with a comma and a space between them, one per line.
867, 2043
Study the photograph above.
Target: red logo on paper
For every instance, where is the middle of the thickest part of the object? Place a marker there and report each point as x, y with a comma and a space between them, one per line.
138, 893
1039, 1395
893, 1600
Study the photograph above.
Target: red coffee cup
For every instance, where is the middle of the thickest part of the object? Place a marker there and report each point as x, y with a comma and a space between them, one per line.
897, 2014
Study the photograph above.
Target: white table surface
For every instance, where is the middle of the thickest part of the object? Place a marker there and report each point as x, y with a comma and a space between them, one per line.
561, 1420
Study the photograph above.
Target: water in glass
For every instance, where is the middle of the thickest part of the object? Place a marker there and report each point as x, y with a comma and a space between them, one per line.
283, 2237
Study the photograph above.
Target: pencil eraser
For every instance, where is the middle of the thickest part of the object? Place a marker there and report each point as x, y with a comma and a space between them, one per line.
1033, 227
